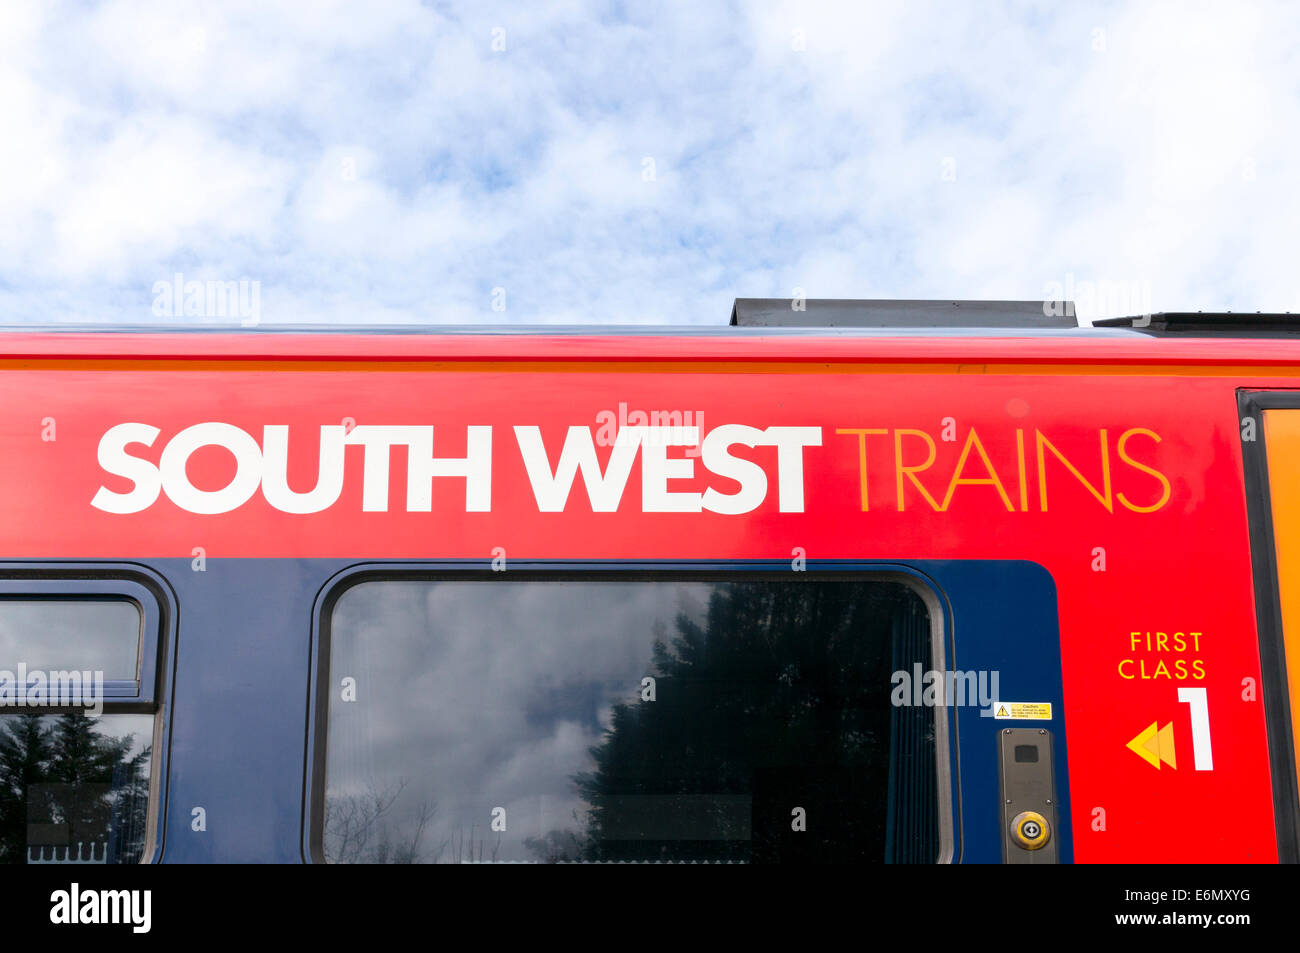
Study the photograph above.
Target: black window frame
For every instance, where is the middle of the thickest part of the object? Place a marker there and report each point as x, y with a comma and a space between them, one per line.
936, 604
140, 693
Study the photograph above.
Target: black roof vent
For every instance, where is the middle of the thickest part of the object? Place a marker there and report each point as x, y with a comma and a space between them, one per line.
1211, 323
884, 313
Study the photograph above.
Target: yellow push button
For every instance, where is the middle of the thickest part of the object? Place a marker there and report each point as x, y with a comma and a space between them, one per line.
1030, 830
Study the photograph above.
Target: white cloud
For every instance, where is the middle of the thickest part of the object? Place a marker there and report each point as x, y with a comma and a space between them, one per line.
892, 149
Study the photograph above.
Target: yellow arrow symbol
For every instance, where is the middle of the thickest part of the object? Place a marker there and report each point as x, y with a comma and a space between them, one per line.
1155, 744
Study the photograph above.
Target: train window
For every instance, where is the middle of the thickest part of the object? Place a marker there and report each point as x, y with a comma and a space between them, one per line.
77, 720
626, 719
74, 788
97, 635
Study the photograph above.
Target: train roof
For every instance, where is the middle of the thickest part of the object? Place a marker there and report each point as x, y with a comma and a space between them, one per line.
760, 330
855, 316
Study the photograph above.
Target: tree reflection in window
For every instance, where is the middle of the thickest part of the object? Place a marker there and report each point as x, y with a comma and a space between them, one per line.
777, 703
72, 788
770, 738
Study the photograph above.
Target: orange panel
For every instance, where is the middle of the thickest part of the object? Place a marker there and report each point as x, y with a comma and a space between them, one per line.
1282, 442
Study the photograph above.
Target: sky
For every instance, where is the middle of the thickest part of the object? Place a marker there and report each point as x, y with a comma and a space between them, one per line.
394, 162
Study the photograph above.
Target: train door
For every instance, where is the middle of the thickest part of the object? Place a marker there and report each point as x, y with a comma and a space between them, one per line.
1270, 425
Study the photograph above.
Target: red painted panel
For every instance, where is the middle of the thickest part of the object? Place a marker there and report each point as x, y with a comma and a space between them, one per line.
1095, 346
1183, 567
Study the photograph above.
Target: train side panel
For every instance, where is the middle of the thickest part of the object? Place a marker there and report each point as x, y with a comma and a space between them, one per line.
1121, 493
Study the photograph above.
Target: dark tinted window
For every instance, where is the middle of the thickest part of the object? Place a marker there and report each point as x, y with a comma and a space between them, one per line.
526, 719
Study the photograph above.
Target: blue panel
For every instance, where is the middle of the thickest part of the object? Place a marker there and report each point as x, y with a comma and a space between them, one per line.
240, 707
1005, 621
240, 703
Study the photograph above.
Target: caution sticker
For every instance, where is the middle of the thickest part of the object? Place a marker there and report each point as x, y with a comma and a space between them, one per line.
1023, 711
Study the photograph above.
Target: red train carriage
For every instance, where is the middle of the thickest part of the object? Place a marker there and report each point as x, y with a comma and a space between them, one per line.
865, 581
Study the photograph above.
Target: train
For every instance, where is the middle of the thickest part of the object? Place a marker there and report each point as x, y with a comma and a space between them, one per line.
836, 581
